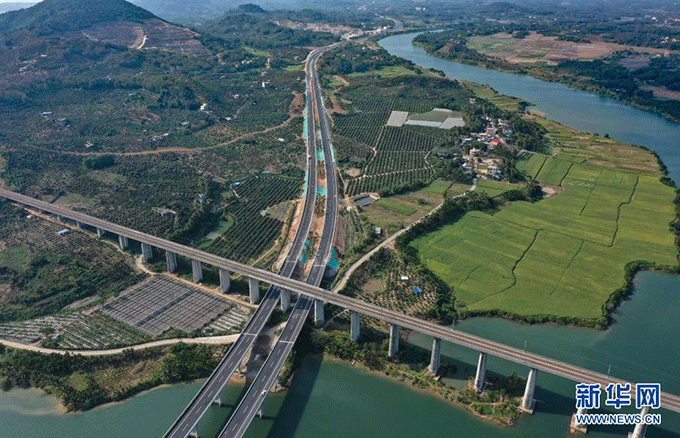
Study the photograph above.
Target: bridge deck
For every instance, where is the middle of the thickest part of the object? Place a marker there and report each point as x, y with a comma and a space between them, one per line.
562, 369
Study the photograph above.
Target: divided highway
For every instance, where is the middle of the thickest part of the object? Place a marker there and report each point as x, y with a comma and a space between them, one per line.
189, 418
259, 388
542, 363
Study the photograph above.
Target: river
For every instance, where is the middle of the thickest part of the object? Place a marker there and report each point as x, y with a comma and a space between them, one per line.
333, 399
576, 108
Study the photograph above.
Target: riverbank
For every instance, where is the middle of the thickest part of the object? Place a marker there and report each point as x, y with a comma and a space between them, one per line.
84, 382
499, 402
544, 74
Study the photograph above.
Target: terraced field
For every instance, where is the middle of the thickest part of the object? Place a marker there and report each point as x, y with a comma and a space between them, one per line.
561, 256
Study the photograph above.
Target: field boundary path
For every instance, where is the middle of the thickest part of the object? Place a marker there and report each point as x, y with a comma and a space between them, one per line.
211, 340
343, 282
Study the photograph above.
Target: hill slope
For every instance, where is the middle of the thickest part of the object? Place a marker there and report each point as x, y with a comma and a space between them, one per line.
50, 16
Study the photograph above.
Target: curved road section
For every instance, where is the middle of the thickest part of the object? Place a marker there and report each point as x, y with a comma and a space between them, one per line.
188, 420
250, 403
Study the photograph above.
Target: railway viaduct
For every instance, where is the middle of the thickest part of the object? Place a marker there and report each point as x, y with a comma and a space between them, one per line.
534, 362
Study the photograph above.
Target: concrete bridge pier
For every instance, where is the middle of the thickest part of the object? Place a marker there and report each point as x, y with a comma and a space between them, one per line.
575, 427
194, 432
436, 355
285, 300
355, 326
123, 241
319, 316
197, 271
528, 400
225, 281
171, 261
394, 341
640, 429
80, 224
100, 232
147, 251
254, 289
480, 377
218, 400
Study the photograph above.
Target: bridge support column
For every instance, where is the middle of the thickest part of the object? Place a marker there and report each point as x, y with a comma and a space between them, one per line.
80, 224
575, 427
218, 400
640, 429
171, 261
225, 281
194, 432
254, 289
100, 232
197, 271
355, 326
147, 252
528, 400
123, 241
480, 377
394, 341
319, 316
285, 300
436, 355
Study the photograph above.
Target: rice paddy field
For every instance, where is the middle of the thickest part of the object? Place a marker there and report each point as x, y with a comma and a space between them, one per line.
563, 255
495, 188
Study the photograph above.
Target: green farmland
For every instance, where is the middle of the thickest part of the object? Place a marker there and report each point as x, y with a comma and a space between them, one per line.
562, 256
495, 188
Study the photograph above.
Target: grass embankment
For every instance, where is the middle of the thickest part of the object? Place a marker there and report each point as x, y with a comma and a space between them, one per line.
499, 402
81, 383
569, 257
506, 103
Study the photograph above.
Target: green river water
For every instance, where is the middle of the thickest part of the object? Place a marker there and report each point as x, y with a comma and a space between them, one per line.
334, 399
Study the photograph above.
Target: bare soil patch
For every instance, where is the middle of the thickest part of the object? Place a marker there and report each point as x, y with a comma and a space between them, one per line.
536, 47
662, 92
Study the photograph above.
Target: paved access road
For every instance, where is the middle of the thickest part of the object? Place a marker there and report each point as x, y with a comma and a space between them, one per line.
259, 388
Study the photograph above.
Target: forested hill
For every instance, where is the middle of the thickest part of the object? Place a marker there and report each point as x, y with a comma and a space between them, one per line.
255, 28
50, 16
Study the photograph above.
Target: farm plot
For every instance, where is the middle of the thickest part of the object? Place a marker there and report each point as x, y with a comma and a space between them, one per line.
161, 304
494, 188
96, 331
598, 150
44, 272
230, 322
33, 330
561, 256
530, 164
253, 232
400, 159
553, 171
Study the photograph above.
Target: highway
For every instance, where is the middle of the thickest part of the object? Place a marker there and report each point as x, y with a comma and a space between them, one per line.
542, 363
250, 403
189, 418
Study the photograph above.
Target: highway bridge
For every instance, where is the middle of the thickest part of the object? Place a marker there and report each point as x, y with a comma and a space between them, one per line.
187, 422
310, 293
440, 333
250, 403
